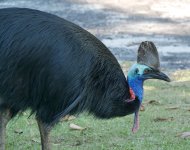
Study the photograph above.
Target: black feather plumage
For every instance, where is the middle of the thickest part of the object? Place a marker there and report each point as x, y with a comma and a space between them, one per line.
55, 68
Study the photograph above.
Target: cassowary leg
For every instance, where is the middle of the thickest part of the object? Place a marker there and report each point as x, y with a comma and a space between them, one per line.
4, 119
136, 122
44, 133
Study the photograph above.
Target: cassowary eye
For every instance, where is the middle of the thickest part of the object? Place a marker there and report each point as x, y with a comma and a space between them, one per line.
136, 70
147, 71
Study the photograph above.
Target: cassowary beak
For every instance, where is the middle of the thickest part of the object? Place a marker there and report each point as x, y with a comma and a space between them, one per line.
154, 74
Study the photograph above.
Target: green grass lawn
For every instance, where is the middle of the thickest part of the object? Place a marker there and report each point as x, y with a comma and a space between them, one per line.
166, 116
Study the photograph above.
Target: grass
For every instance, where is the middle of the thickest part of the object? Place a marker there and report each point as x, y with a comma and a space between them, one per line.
166, 115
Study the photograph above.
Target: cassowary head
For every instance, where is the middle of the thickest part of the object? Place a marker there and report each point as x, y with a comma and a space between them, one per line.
147, 67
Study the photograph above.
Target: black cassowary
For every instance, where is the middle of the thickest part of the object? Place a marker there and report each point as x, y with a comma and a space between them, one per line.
55, 68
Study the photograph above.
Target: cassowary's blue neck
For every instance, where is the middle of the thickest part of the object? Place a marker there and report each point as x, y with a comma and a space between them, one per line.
137, 86
135, 79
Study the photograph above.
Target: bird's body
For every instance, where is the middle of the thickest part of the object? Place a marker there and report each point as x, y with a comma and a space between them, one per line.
47, 62
55, 68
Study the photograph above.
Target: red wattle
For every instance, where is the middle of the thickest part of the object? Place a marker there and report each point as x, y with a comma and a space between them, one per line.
132, 97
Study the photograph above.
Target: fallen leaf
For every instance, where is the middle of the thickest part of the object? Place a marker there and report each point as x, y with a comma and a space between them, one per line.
172, 108
184, 135
18, 131
159, 119
76, 127
35, 141
71, 118
153, 102
142, 108
68, 118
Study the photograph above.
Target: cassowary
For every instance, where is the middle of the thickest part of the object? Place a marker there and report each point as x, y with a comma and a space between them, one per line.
55, 68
